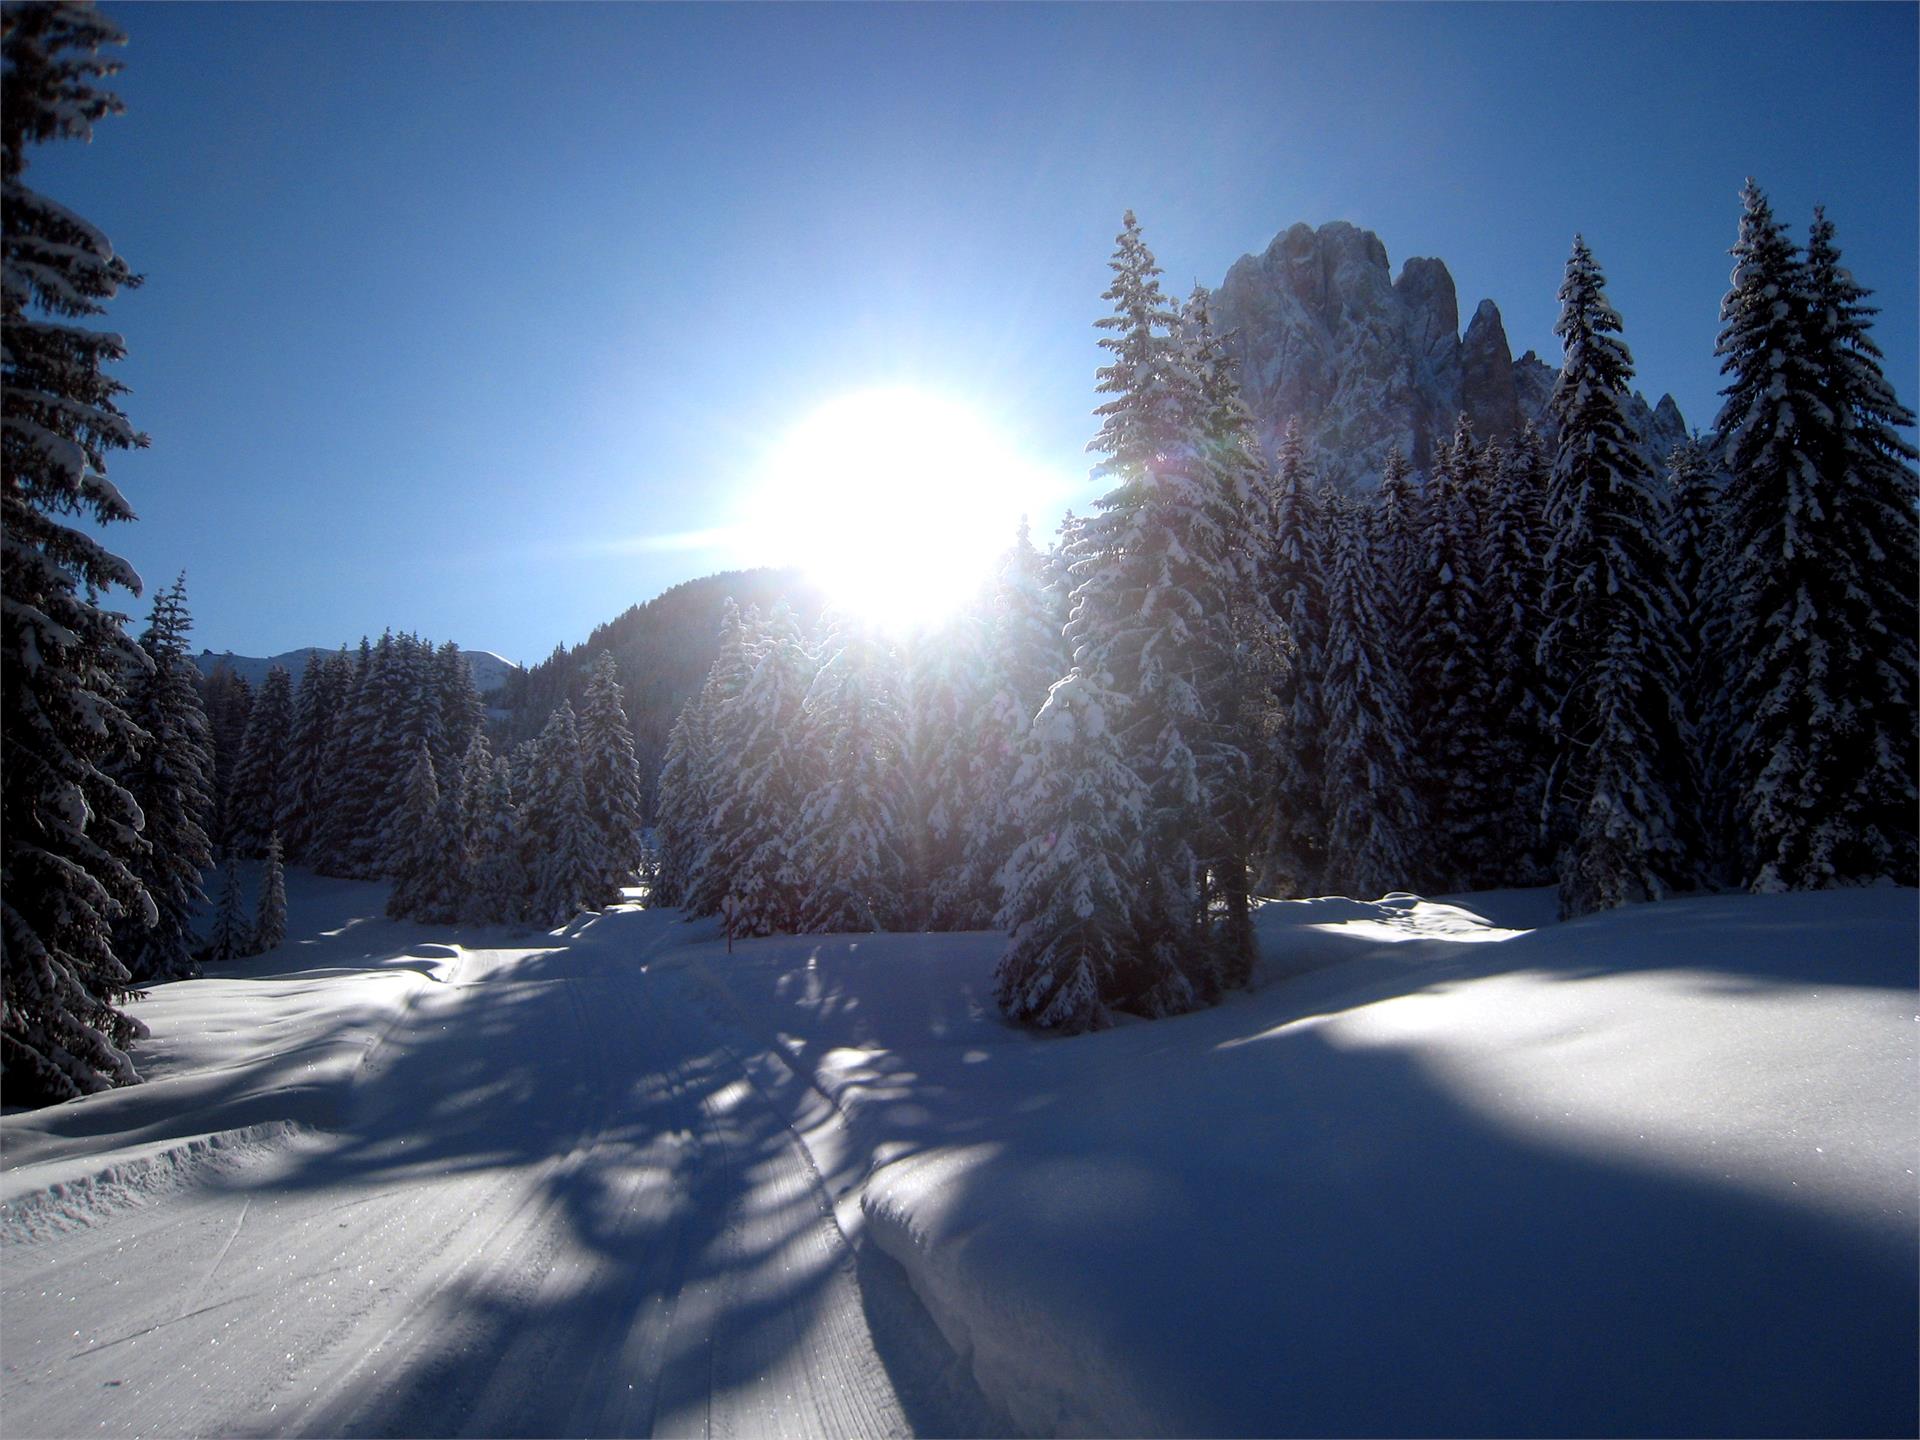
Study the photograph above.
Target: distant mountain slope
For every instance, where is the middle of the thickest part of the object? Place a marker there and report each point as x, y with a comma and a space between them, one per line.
1324, 333
664, 649
490, 671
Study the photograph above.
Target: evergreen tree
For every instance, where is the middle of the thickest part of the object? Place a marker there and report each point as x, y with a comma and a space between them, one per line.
1068, 886
1819, 600
444, 900
1448, 683
1024, 652
462, 713
1607, 642
847, 840
270, 916
228, 701
351, 840
168, 779
1241, 671
1396, 544
253, 796
612, 778
1151, 612
1871, 465
565, 862
418, 843
496, 878
323, 685
1693, 528
690, 778
69, 831
1295, 571
1376, 825
943, 778
760, 785
1514, 544
476, 779
231, 938
680, 808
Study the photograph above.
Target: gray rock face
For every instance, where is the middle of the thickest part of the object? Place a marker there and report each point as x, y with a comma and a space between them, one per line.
1324, 333
1488, 393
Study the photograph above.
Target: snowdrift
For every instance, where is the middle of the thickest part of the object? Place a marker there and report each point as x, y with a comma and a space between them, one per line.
1448, 1169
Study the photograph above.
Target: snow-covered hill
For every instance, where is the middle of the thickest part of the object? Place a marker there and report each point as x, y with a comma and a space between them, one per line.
1445, 1169
490, 671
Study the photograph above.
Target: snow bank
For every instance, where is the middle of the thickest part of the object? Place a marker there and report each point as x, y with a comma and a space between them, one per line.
237, 1062
1652, 1170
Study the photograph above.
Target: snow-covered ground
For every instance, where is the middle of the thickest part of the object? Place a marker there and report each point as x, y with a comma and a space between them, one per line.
1447, 1168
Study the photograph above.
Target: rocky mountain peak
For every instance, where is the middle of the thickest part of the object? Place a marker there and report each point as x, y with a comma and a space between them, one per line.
1324, 332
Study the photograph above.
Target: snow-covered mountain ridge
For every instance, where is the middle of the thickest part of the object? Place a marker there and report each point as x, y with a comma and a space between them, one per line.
490, 671
1324, 333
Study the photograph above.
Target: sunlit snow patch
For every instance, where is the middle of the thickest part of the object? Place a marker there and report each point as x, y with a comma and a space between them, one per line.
1401, 917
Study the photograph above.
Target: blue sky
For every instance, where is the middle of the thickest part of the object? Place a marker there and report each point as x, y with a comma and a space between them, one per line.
450, 308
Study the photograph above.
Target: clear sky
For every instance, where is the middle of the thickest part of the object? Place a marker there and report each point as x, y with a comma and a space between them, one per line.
474, 320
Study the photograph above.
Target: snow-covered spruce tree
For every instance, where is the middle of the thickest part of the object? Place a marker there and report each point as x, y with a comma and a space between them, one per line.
411, 715
331, 796
1397, 525
270, 915
476, 777
232, 937
313, 705
565, 862
689, 775
846, 840
1024, 652
350, 843
759, 784
228, 700
1693, 530
1608, 640
612, 777
1294, 571
445, 899
461, 711
1377, 834
1871, 465
495, 873
942, 777
168, 778
1239, 693
1151, 613
254, 790
679, 809
1818, 584
418, 848
69, 831
1513, 543
1067, 887
1448, 685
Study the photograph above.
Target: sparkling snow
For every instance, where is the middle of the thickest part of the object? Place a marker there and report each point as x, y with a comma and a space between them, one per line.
1447, 1168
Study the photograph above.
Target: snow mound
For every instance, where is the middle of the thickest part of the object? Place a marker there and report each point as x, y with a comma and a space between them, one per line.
1476, 1173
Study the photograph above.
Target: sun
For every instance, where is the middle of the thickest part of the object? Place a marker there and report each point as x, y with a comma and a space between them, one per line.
896, 501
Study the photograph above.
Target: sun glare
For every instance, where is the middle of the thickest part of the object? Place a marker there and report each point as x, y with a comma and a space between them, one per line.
895, 501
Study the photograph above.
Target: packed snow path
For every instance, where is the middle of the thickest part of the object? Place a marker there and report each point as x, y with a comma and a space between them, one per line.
554, 1204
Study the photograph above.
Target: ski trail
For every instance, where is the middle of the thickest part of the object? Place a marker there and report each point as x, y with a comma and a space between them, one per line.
239, 1223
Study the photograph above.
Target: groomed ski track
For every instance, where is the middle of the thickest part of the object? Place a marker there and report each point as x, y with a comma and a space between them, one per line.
554, 1203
